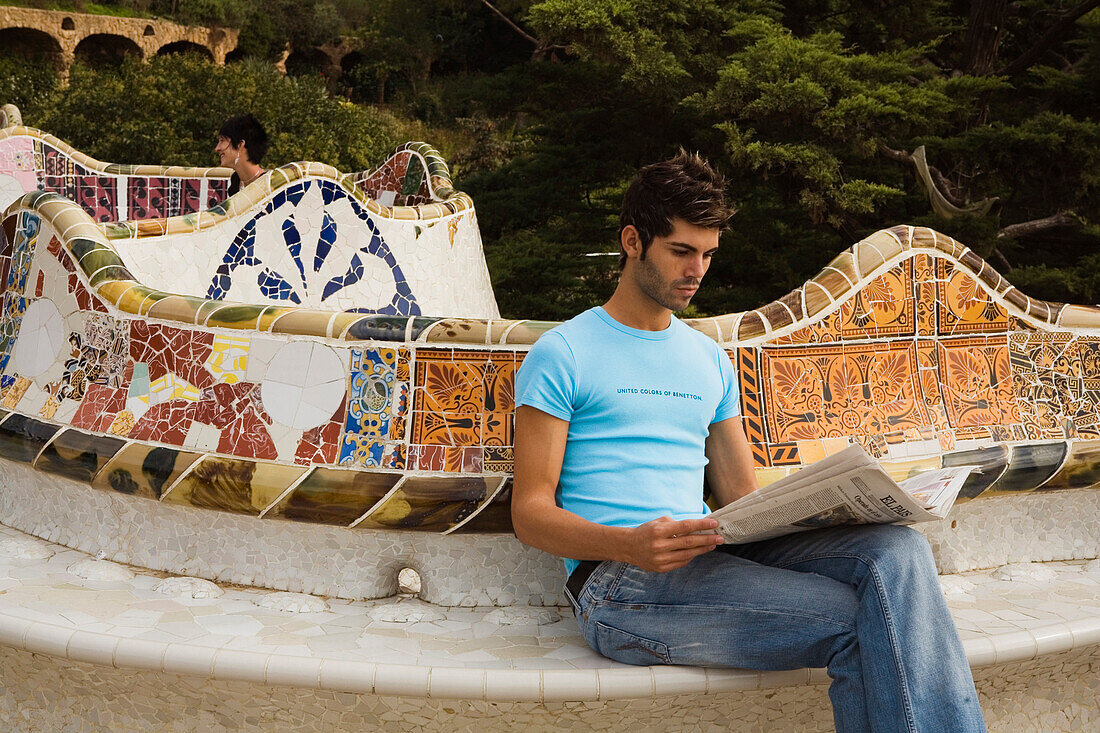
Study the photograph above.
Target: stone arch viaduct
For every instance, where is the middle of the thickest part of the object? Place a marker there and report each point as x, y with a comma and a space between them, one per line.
62, 37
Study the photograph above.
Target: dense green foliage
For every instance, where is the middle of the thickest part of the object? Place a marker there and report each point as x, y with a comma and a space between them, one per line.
25, 84
168, 112
812, 108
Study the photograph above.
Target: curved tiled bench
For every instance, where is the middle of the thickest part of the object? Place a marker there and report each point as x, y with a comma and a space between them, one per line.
411, 175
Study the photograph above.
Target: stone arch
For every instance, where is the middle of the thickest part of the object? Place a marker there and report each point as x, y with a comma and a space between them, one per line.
306, 61
68, 24
98, 49
31, 43
185, 47
149, 31
350, 60
358, 81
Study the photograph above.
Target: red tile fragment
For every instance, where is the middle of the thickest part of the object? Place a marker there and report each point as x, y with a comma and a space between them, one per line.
98, 408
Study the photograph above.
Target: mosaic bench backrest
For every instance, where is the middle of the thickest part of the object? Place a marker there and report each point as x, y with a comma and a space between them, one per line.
403, 179
907, 343
304, 235
34, 160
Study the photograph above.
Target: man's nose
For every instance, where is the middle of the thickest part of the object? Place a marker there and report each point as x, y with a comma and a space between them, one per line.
697, 267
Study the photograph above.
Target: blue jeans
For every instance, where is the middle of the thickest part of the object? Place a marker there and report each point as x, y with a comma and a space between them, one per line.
863, 602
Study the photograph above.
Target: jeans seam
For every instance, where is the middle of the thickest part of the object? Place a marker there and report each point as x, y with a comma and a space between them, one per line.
614, 583
907, 703
718, 609
910, 721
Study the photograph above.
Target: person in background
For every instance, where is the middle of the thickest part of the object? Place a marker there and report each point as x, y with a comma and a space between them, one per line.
242, 143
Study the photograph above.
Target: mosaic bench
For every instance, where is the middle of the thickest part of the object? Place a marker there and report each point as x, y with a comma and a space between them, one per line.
253, 395
34, 160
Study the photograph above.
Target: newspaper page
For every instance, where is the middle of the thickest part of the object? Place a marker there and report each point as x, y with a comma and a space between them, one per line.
848, 487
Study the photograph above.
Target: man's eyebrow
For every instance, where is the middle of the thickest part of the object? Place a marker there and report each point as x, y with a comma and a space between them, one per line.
686, 245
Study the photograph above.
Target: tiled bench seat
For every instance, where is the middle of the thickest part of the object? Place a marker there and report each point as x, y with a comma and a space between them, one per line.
403, 648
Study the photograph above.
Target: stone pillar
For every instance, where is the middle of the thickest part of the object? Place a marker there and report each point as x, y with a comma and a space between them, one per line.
68, 55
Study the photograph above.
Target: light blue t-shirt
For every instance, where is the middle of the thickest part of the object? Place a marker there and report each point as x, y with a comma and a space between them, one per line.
639, 406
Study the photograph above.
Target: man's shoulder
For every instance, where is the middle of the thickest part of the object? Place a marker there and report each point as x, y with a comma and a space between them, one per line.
577, 327
695, 336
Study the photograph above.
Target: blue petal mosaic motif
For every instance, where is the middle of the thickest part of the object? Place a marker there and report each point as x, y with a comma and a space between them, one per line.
293, 286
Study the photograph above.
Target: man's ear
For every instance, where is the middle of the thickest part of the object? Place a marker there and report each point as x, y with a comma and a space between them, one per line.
630, 239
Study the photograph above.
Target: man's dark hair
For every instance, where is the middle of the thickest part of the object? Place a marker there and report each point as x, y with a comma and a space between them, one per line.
682, 187
246, 129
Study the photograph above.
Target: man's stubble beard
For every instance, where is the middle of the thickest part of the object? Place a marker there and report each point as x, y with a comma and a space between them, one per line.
649, 281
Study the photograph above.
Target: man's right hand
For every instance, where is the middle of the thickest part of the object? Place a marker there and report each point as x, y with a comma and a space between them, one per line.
663, 544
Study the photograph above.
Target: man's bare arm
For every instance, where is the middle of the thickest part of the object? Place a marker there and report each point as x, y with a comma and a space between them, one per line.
730, 471
658, 546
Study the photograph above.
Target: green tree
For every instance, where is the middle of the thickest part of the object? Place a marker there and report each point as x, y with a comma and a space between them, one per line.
815, 110
175, 104
26, 83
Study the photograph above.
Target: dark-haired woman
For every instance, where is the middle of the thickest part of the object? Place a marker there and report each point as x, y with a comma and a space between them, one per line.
242, 143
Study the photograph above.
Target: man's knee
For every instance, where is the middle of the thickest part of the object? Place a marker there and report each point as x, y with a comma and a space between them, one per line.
898, 545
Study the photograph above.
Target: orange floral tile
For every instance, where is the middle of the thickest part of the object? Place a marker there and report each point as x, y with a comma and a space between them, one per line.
964, 306
1018, 324
452, 459
976, 384
402, 364
928, 376
439, 428
1088, 423
497, 428
452, 390
882, 308
824, 331
924, 274
830, 392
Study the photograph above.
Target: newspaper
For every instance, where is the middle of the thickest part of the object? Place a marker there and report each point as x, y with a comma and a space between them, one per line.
848, 487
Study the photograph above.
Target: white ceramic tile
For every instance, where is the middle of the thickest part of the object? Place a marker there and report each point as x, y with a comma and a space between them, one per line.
231, 664
577, 684
721, 680
1014, 646
401, 679
139, 654
13, 628
1052, 638
506, 685
625, 682
347, 676
456, 683
47, 639
189, 659
296, 671
979, 651
94, 648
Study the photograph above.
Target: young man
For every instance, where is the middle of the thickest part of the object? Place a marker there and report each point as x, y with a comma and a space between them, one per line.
621, 410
